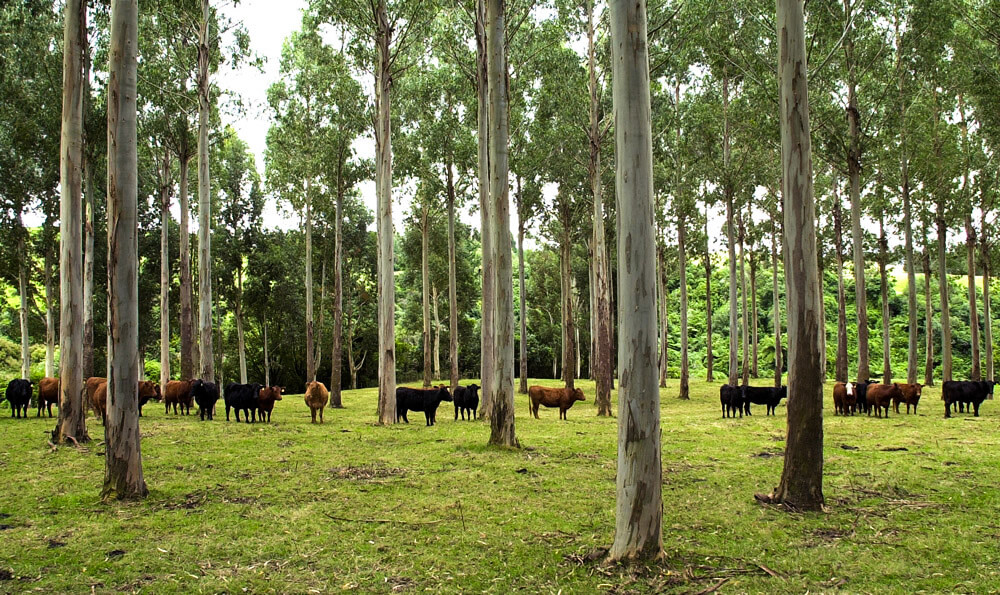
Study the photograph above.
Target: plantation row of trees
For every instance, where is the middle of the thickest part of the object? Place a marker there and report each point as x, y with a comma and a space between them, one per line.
468, 128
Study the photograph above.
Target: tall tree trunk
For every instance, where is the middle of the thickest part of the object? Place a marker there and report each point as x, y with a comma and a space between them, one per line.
639, 506
904, 174
425, 282
318, 361
745, 322
267, 359
727, 189
822, 309
601, 315
566, 274
883, 245
970, 246
240, 335
555, 354
196, 337
523, 375
72, 421
984, 252
437, 332
754, 316
204, 203
452, 285
840, 373
709, 355
383, 187
22, 289
854, 173
801, 485
123, 477
661, 292
775, 291
165, 268
942, 229
310, 327
88, 228
502, 383
50, 319
188, 344
486, 216
685, 391
337, 351
928, 314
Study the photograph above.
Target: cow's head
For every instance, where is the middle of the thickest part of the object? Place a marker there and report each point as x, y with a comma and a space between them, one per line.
578, 395
443, 393
271, 392
149, 391
917, 388
782, 392
473, 390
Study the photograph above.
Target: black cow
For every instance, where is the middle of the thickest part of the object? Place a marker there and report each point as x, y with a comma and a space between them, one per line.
19, 395
731, 398
415, 399
768, 396
205, 394
467, 400
243, 397
962, 392
861, 404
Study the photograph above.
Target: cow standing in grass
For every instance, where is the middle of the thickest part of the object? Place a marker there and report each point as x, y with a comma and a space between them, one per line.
316, 398
19, 395
265, 403
731, 398
466, 400
48, 394
415, 399
960, 392
563, 398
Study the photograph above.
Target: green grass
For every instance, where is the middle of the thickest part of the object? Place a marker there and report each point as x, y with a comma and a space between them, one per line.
291, 507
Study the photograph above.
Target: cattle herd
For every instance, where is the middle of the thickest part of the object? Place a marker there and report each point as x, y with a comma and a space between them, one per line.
862, 397
256, 402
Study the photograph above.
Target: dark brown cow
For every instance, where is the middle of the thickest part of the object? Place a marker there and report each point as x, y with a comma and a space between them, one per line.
563, 398
145, 391
178, 392
844, 400
881, 396
316, 398
100, 401
265, 404
48, 394
148, 390
909, 394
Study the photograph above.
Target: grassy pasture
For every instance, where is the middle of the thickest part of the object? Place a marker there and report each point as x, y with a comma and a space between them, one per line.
292, 507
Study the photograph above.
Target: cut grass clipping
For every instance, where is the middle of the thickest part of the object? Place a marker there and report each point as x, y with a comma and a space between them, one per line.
294, 507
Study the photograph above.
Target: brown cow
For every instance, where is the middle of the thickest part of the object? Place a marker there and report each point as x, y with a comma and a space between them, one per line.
845, 396
909, 394
92, 383
563, 398
145, 391
178, 392
48, 394
880, 396
316, 398
265, 404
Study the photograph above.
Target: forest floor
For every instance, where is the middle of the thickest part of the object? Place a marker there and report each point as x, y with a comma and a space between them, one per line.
291, 507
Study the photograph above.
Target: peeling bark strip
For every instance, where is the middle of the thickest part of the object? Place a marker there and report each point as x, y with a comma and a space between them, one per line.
802, 478
383, 191
502, 384
639, 506
72, 423
123, 459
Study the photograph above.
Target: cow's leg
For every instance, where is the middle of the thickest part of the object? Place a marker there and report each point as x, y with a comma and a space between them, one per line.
321, 414
976, 405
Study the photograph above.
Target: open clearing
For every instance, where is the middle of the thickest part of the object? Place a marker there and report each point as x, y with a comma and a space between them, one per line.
297, 508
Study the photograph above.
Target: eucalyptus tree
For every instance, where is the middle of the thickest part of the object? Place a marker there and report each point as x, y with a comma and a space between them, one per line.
801, 485
439, 146
29, 128
315, 105
384, 36
72, 420
501, 387
123, 477
639, 507
240, 205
